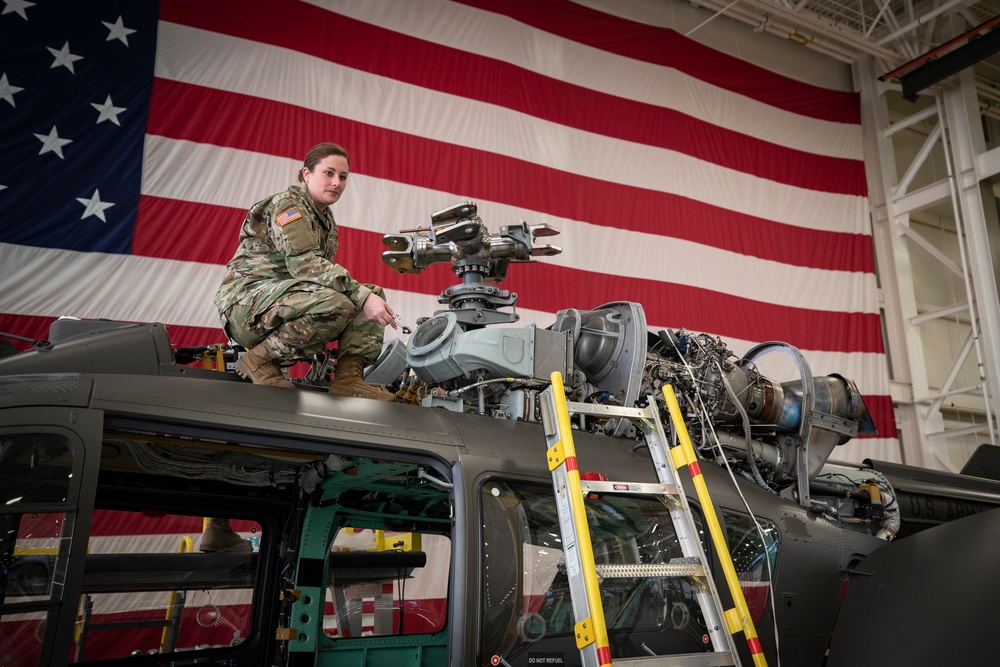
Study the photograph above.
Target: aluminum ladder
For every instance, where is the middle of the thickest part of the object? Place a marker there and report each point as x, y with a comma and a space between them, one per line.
584, 574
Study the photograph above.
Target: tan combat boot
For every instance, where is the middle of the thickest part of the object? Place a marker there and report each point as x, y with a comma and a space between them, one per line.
258, 367
220, 536
349, 381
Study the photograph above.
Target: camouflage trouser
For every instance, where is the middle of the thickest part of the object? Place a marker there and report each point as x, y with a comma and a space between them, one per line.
302, 321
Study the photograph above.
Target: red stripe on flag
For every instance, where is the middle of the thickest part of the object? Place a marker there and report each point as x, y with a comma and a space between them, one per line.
244, 122
370, 48
665, 304
26, 326
37, 327
693, 308
185, 336
662, 46
186, 230
881, 412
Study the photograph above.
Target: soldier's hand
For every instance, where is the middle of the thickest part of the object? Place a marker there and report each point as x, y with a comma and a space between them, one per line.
377, 310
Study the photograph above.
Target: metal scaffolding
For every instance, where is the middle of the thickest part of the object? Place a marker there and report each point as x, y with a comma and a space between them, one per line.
941, 415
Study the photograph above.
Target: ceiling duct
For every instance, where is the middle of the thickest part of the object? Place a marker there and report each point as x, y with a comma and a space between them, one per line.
934, 69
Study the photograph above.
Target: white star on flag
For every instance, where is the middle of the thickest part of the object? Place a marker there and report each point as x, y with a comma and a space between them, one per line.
64, 57
94, 206
117, 30
52, 142
108, 111
16, 6
7, 91
54, 130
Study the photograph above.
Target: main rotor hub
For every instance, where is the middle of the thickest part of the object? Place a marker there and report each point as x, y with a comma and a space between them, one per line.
458, 236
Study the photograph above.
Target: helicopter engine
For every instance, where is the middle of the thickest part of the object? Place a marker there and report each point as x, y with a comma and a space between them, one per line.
777, 434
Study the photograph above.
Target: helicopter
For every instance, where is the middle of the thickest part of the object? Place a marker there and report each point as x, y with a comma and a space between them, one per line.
423, 531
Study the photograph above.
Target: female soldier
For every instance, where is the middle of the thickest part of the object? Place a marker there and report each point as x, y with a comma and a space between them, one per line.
284, 298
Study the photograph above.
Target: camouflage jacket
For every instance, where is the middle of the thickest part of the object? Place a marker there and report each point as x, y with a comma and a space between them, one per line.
285, 239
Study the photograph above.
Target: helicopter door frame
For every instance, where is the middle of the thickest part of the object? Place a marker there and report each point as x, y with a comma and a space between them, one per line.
79, 430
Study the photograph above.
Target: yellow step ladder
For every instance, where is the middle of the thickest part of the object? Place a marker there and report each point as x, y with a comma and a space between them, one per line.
584, 574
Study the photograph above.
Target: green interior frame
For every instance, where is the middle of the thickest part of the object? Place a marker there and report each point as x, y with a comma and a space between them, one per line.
379, 495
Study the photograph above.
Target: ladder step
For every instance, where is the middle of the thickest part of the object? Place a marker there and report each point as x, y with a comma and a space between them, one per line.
600, 410
680, 660
609, 488
677, 567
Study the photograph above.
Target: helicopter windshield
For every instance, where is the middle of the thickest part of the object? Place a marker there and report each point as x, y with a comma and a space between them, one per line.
527, 614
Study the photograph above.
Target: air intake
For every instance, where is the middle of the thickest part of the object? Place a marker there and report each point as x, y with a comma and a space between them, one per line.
609, 346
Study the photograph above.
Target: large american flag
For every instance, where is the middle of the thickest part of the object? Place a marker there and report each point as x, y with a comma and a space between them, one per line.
723, 197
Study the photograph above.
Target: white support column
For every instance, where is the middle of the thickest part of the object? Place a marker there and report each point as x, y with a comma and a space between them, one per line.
905, 345
967, 144
954, 153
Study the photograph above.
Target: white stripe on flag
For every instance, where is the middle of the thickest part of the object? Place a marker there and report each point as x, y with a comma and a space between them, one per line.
281, 74
207, 178
474, 31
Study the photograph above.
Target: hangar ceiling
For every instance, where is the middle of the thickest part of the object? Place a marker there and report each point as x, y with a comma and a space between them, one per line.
895, 32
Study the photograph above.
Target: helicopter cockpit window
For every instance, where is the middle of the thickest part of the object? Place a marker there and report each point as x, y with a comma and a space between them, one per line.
148, 588
154, 575
754, 554
36, 519
526, 611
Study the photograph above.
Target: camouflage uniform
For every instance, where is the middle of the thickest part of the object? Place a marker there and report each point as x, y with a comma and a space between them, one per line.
282, 288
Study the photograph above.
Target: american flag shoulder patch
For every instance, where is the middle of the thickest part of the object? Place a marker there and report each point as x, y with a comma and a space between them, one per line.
288, 216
